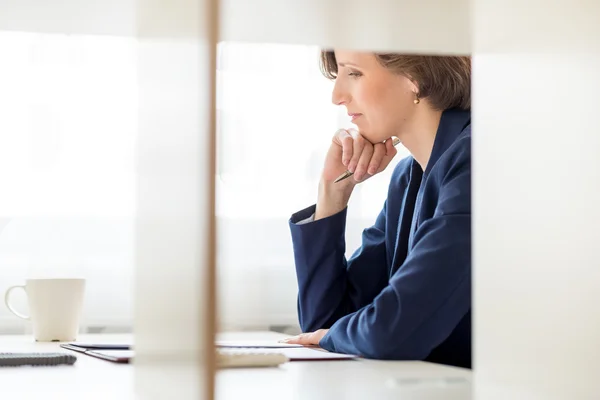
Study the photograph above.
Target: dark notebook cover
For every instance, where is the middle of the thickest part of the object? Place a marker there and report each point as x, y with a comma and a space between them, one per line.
119, 353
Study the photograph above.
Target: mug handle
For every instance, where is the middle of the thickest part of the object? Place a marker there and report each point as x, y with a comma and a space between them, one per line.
10, 308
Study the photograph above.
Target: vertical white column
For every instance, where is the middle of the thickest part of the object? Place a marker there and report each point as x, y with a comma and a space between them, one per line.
536, 150
175, 229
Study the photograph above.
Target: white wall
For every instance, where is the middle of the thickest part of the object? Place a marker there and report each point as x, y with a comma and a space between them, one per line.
257, 286
67, 137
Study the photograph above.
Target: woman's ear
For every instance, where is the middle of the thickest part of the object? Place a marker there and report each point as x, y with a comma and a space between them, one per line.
414, 86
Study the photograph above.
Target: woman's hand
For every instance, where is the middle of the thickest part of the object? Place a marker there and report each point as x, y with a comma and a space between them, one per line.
350, 151
307, 339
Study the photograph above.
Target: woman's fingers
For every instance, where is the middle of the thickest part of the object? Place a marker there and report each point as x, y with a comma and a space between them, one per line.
359, 145
363, 162
390, 153
347, 142
304, 339
390, 149
307, 339
358, 155
379, 152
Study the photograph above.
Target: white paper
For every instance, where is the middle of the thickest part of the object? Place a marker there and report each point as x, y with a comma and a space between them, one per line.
268, 344
293, 354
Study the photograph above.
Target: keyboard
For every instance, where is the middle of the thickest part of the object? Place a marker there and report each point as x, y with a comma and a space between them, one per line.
247, 358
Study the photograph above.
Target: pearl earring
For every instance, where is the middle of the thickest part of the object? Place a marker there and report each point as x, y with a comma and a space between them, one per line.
417, 100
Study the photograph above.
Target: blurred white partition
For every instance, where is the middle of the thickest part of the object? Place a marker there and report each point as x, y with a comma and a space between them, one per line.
536, 149
106, 17
175, 227
429, 26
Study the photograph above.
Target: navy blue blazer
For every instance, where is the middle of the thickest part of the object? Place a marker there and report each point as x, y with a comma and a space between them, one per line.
405, 294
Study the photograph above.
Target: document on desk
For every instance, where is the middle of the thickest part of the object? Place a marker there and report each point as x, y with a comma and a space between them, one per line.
258, 344
292, 353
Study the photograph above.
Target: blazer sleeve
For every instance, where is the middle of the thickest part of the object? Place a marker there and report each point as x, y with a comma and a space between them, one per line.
428, 295
329, 286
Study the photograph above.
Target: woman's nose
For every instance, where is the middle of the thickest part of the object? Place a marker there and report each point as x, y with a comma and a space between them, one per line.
339, 96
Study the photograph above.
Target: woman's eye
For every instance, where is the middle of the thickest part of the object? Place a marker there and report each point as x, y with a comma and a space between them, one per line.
355, 74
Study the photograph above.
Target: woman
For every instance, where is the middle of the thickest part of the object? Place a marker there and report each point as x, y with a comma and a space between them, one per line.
405, 294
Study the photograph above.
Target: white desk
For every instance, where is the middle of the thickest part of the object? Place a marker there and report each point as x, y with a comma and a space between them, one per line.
92, 378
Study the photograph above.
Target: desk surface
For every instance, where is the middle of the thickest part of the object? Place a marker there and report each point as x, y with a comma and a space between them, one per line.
92, 378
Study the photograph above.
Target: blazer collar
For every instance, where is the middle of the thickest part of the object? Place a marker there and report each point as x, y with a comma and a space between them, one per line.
452, 124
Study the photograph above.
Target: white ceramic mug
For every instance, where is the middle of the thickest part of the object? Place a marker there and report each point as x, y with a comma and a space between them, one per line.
55, 307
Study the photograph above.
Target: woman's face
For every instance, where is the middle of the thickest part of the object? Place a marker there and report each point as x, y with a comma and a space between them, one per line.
378, 100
